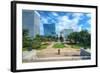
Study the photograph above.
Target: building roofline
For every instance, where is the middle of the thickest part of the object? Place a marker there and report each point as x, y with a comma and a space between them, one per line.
37, 13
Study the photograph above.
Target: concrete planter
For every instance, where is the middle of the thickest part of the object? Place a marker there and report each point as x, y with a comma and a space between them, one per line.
29, 55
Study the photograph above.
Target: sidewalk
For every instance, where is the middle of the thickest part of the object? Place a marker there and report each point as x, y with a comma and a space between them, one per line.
51, 54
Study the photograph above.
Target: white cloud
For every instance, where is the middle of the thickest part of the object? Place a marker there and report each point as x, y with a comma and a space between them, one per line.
44, 20
80, 28
89, 21
88, 15
89, 30
66, 23
77, 15
75, 27
54, 13
75, 20
63, 23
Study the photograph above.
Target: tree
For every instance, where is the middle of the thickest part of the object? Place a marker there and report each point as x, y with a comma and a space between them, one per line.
25, 32
85, 38
61, 38
38, 37
82, 38
36, 43
73, 37
26, 39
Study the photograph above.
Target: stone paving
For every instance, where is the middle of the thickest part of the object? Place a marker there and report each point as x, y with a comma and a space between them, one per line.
51, 54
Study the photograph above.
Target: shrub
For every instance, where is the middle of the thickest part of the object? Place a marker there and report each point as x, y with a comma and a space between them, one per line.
36, 44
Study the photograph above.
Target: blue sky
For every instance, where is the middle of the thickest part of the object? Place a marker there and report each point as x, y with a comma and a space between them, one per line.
66, 20
62, 20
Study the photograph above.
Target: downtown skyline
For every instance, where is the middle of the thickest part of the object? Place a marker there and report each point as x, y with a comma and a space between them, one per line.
63, 20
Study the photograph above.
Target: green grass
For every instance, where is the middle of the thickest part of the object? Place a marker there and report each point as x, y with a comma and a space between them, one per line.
43, 46
58, 45
76, 46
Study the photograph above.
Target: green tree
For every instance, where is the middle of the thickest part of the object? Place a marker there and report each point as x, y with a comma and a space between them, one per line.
82, 38
73, 37
61, 38
25, 32
36, 43
85, 38
26, 39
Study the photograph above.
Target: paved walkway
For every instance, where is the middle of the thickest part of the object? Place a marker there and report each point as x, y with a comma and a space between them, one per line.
51, 54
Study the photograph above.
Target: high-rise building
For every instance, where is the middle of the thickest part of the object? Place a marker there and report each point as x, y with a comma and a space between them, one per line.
31, 22
36, 23
49, 29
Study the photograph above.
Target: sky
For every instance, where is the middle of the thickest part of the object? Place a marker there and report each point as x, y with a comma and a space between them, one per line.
62, 20
66, 20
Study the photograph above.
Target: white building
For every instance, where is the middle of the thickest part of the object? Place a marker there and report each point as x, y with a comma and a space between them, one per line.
36, 23
31, 22
65, 33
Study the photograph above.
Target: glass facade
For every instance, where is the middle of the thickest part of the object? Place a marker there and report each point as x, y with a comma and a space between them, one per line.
49, 29
31, 22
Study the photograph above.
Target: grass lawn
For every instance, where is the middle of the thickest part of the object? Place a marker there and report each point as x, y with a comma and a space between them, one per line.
76, 46
59, 45
43, 46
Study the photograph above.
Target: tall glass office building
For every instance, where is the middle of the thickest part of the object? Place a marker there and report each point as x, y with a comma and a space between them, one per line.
31, 22
49, 29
